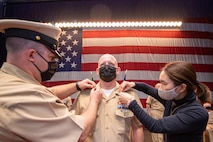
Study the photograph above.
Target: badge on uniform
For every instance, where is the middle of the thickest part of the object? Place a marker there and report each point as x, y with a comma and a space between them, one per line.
123, 109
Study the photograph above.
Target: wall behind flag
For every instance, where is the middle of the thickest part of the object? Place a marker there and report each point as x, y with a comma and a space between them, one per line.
110, 10
142, 51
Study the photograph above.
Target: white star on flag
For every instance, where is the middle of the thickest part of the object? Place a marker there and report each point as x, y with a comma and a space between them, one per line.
70, 49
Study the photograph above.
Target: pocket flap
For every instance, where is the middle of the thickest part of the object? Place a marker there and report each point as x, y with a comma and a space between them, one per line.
125, 113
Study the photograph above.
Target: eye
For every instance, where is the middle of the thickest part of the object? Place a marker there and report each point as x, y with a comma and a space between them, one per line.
108, 63
111, 64
163, 83
102, 65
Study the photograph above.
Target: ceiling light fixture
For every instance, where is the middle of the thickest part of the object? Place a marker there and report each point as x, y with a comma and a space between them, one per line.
153, 24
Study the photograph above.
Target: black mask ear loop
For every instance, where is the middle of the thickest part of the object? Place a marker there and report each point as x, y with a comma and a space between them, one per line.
42, 57
36, 65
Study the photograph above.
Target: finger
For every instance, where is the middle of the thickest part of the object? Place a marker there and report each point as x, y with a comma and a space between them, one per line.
93, 83
99, 89
120, 89
93, 89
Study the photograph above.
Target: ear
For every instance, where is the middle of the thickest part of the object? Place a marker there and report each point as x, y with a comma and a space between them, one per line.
118, 70
31, 55
183, 88
97, 71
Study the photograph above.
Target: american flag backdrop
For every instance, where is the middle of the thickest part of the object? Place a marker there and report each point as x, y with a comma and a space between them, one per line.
141, 51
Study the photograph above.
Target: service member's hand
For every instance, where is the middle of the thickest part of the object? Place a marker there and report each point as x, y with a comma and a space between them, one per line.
126, 85
86, 84
96, 95
125, 98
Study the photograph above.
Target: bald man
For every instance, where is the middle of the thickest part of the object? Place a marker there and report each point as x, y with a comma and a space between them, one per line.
114, 122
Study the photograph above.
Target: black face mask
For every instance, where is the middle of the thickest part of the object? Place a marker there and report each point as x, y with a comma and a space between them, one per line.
48, 74
107, 73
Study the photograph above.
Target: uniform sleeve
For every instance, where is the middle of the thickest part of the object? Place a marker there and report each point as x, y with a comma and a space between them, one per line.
81, 102
44, 118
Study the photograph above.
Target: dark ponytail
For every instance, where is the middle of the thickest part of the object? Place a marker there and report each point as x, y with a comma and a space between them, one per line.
203, 93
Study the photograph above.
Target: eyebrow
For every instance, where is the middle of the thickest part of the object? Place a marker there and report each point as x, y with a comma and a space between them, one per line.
110, 63
162, 81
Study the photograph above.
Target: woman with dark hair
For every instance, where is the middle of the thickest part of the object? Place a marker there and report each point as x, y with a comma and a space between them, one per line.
184, 118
